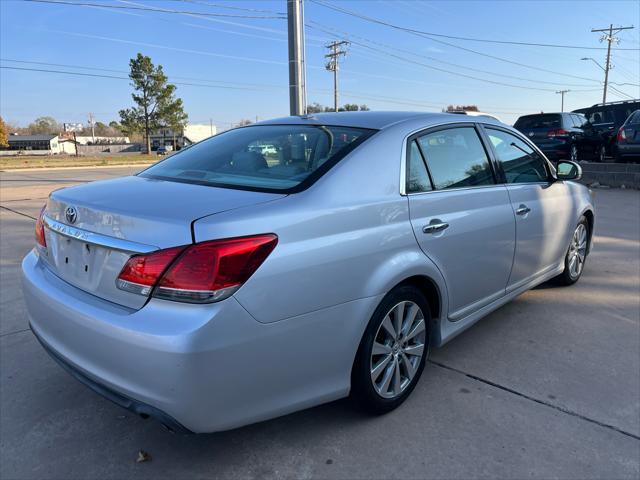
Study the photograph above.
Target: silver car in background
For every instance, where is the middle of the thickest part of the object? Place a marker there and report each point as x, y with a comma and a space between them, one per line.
297, 261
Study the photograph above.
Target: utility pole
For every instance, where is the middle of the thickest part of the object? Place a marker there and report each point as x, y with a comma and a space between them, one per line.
562, 92
609, 36
333, 65
93, 130
296, 57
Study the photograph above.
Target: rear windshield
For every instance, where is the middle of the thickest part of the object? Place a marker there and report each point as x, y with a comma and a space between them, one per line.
538, 121
280, 158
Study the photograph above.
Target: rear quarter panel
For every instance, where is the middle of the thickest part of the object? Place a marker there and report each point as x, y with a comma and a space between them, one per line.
347, 237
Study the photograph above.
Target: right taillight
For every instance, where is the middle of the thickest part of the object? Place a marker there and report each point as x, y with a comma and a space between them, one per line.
199, 273
40, 238
557, 133
622, 136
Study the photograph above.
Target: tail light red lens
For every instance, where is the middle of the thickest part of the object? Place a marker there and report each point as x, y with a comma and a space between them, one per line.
142, 272
199, 273
40, 238
622, 136
558, 133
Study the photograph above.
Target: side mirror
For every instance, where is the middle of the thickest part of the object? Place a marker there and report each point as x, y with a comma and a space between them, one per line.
568, 170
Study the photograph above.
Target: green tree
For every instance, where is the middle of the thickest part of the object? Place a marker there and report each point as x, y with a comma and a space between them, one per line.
315, 107
155, 103
44, 126
4, 141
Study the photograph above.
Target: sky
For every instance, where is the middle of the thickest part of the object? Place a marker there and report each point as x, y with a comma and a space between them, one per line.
229, 65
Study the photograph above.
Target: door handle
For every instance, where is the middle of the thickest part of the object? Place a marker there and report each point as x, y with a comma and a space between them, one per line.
435, 226
522, 210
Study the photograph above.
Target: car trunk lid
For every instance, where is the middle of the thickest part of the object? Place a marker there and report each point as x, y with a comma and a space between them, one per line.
93, 229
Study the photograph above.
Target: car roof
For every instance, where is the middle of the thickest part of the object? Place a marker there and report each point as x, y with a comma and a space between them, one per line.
373, 120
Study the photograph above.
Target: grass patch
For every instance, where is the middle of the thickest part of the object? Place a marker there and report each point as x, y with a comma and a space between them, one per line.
62, 161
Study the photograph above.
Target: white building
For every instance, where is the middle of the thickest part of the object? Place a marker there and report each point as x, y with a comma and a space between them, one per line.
192, 133
100, 140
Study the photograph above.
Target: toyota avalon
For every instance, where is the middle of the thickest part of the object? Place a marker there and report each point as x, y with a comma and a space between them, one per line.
296, 261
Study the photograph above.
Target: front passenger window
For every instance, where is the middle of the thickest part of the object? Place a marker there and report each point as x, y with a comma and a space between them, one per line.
521, 164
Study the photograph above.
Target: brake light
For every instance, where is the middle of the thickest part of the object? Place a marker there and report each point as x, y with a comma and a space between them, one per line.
141, 272
557, 133
40, 238
200, 273
622, 136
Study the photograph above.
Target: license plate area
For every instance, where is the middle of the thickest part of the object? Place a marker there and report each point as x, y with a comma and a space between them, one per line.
76, 261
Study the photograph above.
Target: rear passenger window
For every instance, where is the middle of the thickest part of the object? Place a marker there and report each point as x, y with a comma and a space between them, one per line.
417, 176
456, 158
521, 164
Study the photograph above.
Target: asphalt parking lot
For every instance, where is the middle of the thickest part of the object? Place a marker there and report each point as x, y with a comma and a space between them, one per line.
548, 386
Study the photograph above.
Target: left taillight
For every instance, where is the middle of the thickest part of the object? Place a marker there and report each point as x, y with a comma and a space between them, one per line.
40, 238
199, 273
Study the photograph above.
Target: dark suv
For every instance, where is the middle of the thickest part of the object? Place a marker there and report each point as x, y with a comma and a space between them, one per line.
605, 120
627, 145
558, 135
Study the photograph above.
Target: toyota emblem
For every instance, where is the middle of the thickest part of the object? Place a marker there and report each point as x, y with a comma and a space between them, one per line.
71, 214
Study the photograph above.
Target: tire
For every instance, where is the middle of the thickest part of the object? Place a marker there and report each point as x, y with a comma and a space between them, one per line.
573, 153
396, 361
577, 252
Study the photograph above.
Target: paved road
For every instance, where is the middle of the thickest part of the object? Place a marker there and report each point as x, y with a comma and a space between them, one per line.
546, 387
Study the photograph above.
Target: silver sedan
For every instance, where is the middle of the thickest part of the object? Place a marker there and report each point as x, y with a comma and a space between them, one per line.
297, 261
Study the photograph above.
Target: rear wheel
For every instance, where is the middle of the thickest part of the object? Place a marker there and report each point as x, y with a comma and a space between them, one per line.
392, 352
576, 255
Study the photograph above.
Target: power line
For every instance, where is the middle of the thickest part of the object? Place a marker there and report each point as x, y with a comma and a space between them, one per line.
453, 37
384, 99
97, 75
351, 36
494, 57
152, 9
229, 7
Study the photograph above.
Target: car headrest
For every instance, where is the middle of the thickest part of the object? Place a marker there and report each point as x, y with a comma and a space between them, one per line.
248, 161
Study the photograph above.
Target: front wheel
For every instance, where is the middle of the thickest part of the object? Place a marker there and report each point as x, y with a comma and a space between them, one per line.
576, 255
392, 352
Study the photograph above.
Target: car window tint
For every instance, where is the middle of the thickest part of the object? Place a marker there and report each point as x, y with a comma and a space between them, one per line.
417, 176
577, 120
261, 157
521, 164
544, 121
597, 117
456, 158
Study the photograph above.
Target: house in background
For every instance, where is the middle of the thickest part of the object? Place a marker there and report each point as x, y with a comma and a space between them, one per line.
35, 144
166, 137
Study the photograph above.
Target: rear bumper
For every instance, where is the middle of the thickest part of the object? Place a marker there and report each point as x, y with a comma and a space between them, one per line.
130, 404
201, 367
628, 150
555, 150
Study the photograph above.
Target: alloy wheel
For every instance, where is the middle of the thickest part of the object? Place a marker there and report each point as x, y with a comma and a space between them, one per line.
577, 251
398, 347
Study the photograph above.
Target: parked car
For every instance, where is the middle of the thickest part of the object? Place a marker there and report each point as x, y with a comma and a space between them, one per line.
605, 119
627, 147
473, 113
561, 135
164, 150
213, 290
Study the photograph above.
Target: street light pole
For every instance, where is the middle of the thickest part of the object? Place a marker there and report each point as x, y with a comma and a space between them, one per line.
562, 92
